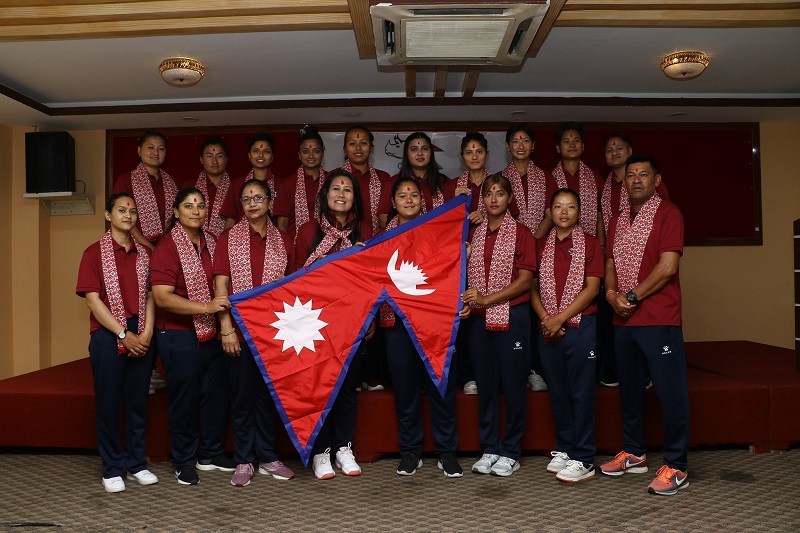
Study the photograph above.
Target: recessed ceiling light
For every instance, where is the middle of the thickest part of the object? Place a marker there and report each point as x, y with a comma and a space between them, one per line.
518, 113
678, 114
352, 114
190, 119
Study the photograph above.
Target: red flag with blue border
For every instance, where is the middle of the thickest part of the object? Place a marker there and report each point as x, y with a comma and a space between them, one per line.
305, 329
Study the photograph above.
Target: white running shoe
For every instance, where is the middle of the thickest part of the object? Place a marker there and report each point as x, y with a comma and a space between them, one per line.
536, 382
322, 465
485, 463
505, 466
346, 461
558, 462
576, 471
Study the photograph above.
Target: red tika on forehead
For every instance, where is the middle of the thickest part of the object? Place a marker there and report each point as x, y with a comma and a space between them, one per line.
128, 204
613, 143
637, 169
251, 191
408, 188
358, 135
473, 146
341, 182
194, 200
494, 187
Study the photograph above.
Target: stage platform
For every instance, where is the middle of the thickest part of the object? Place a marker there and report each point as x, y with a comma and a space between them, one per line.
740, 393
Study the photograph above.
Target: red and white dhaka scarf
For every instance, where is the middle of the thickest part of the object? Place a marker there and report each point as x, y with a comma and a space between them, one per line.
630, 240
151, 223
588, 194
214, 222
332, 235
111, 282
386, 311
531, 203
438, 200
575, 275
500, 269
275, 258
196, 280
463, 181
374, 193
605, 200
301, 214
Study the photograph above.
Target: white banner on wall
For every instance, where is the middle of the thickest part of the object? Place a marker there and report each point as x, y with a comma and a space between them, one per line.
388, 153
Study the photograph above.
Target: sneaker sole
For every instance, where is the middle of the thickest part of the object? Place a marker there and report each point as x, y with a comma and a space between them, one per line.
667, 492
480, 471
633, 470
351, 473
407, 473
182, 482
238, 485
585, 477
555, 470
209, 468
131, 477
329, 475
112, 490
268, 473
506, 474
446, 474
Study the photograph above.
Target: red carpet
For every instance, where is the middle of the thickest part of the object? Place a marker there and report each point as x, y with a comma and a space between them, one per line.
739, 392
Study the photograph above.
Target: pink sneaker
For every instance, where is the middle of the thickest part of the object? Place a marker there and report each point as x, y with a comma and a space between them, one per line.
276, 469
241, 477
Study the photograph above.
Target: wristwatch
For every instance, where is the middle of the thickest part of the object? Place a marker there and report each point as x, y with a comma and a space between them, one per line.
632, 299
121, 334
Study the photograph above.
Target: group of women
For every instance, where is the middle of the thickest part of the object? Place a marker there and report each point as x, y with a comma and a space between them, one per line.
175, 299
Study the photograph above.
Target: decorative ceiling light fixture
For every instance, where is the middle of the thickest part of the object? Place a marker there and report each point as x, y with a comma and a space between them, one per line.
181, 71
684, 65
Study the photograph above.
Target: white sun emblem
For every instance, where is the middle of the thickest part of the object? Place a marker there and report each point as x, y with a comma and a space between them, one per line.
407, 276
298, 326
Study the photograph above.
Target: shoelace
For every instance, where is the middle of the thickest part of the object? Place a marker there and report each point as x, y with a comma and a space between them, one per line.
562, 455
665, 473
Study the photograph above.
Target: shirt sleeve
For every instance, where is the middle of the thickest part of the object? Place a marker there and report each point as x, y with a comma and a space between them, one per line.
222, 263
671, 230
525, 252
165, 264
594, 258
89, 276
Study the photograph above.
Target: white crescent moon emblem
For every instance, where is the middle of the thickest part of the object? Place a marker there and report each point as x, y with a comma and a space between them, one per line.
407, 277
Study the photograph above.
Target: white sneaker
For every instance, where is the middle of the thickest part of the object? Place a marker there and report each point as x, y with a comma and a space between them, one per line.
144, 477
558, 462
156, 381
322, 465
470, 388
576, 471
536, 382
485, 463
346, 461
113, 484
505, 466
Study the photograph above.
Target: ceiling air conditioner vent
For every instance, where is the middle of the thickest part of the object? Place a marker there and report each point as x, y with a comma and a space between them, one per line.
455, 33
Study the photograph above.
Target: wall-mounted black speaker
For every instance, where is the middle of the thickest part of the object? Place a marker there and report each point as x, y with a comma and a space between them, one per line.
49, 162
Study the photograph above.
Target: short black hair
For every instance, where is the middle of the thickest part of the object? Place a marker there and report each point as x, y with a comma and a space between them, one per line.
213, 141
566, 126
642, 158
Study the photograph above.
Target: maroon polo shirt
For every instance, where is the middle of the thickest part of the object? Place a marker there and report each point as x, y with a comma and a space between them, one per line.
284, 205
664, 307
593, 263
165, 269
524, 259
90, 278
305, 237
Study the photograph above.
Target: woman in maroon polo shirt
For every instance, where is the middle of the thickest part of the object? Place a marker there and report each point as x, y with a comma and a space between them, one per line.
358, 147
340, 226
182, 279
114, 278
253, 252
499, 274
296, 203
